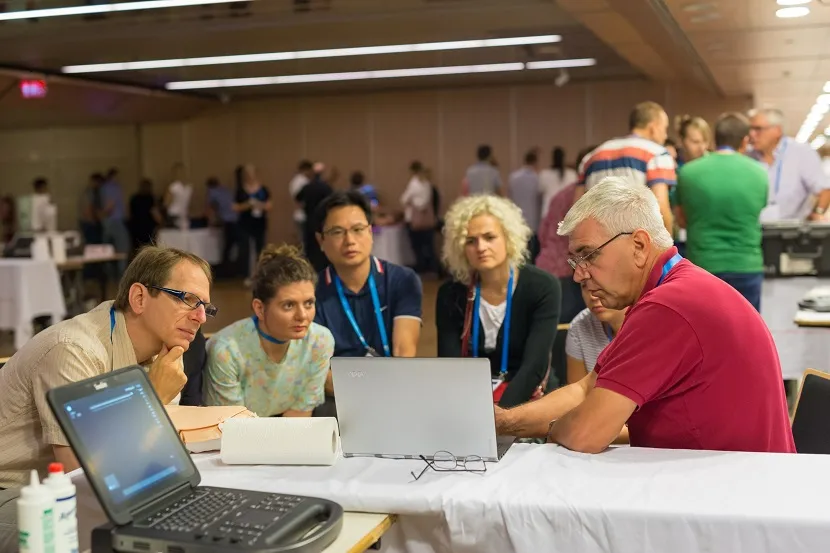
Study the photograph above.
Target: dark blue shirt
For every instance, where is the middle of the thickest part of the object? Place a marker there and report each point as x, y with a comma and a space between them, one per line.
400, 293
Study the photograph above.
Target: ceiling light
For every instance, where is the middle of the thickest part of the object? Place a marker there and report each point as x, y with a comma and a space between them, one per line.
698, 6
561, 64
818, 142
827, 86
793, 2
108, 8
353, 76
704, 17
823, 99
799, 11
820, 109
312, 54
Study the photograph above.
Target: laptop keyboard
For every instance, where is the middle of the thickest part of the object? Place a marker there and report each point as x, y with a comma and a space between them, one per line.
211, 514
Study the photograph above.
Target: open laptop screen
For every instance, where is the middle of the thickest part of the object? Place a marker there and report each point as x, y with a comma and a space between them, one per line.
122, 437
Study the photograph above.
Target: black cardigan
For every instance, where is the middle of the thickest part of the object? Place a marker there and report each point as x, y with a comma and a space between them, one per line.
535, 314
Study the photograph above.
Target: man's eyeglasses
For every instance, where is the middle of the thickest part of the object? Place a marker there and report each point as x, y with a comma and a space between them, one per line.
338, 233
583, 262
189, 299
444, 461
758, 128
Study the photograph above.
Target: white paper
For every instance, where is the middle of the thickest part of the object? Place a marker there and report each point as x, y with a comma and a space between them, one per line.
280, 441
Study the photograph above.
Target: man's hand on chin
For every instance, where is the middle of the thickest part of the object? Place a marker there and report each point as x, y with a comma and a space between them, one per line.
167, 373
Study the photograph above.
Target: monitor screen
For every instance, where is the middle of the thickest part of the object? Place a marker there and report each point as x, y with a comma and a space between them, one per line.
123, 437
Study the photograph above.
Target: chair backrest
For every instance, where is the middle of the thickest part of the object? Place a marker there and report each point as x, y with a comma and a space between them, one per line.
811, 419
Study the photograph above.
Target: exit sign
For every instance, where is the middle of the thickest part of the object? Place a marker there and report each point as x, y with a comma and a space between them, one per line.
33, 88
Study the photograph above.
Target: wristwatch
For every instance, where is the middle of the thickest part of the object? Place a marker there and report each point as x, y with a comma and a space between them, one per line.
820, 210
550, 428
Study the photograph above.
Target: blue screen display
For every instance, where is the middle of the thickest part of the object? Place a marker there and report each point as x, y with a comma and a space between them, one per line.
131, 448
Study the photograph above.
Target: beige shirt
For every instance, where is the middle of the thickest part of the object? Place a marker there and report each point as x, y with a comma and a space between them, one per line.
67, 352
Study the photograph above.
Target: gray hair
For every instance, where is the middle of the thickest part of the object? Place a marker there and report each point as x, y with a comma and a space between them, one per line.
619, 205
775, 117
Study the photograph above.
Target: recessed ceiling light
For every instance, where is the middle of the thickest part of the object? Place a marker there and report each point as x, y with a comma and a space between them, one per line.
793, 2
786, 13
314, 54
695, 7
823, 99
704, 17
827, 86
108, 8
382, 74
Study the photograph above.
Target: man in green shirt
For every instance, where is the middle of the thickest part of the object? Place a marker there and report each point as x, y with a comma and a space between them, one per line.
720, 199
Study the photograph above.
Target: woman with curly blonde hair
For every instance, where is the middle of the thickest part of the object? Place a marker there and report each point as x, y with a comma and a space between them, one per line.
496, 306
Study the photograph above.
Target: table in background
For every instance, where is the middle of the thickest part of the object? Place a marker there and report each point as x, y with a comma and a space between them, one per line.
29, 289
391, 243
75, 289
799, 348
360, 530
204, 242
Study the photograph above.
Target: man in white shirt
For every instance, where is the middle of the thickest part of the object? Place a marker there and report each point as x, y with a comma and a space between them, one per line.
304, 173
177, 199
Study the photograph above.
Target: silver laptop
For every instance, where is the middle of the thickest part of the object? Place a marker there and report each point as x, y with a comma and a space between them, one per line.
408, 408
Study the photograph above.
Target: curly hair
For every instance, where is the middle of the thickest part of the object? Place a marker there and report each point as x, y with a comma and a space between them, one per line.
516, 232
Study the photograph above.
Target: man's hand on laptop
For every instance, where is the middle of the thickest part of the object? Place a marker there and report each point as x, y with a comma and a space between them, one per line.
167, 373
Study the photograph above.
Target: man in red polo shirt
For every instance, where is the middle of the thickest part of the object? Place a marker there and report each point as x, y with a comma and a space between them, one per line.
693, 367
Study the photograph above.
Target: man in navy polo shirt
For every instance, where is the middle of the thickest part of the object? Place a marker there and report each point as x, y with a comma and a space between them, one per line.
372, 307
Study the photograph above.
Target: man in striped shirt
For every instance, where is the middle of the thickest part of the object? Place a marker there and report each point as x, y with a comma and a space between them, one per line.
640, 157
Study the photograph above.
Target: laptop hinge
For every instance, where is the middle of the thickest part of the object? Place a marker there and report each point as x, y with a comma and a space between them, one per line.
154, 505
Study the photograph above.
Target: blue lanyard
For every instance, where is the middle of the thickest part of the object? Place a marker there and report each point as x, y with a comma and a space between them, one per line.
726, 149
264, 336
378, 315
608, 332
112, 321
506, 325
779, 164
676, 258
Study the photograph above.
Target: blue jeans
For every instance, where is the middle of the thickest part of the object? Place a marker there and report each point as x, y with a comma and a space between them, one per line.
748, 284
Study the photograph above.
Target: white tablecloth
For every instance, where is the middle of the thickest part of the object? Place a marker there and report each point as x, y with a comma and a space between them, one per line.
204, 242
28, 289
391, 243
546, 498
799, 348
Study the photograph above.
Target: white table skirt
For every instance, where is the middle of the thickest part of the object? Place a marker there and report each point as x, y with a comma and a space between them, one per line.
391, 243
204, 242
799, 348
546, 498
28, 289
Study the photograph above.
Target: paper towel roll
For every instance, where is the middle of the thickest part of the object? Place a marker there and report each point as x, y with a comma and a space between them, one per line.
280, 441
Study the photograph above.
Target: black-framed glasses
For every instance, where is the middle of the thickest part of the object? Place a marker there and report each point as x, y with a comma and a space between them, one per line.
583, 262
338, 233
189, 299
444, 461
